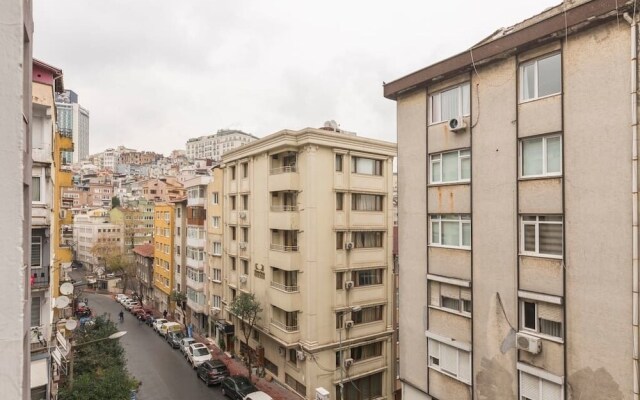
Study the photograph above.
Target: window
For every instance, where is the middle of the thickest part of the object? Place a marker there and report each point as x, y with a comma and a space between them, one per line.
367, 314
451, 230
232, 261
245, 267
216, 275
541, 156
217, 248
233, 232
214, 198
366, 166
540, 78
366, 239
543, 318
367, 277
340, 280
245, 202
215, 221
245, 170
339, 201
233, 172
245, 235
36, 251
367, 351
450, 103
295, 385
533, 387
339, 240
35, 311
541, 235
35, 189
453, 166
339, 158
450, 297
366, 202
216, 301
233, 202
450, 360
365, 388
293, 356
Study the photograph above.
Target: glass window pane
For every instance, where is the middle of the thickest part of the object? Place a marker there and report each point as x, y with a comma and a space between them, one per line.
450, 233
532, 157
435, 171
549, 76
527, 81
435, 232
450, 167
35, 188
529, 238
466, 98
529, 315
435, 108
554, 155
466, 235
449, 104
550, 239
465, 165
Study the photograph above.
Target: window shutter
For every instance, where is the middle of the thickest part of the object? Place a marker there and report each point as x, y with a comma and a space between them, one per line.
450, 291
551, 391
464, 366
550, 312
449, 359
465, 294
529, 386
435, 293
434, 348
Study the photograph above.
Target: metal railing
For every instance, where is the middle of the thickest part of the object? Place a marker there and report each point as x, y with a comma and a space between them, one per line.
283, 170
285, 288
286, 208
283, 326
282, 247
40, 279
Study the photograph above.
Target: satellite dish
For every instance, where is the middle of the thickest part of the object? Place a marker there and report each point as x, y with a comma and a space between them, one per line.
71, 324
62, 302
66, 288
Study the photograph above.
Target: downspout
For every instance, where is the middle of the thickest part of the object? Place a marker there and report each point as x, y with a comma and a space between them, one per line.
634, 195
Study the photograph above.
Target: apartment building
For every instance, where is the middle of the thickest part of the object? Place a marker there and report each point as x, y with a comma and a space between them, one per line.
144, 256
73, 119
163, 255
215, 241
137, 222
161, 189
308, 230
95, 229
518, 234
197, 312
180, 258
212, 147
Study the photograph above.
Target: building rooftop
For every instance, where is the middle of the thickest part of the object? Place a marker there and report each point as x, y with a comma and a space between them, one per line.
145, 250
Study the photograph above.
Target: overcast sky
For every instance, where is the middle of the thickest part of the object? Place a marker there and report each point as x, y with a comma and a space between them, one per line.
154, 73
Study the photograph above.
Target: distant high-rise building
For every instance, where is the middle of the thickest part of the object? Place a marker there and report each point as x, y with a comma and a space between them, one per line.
74, 119
213, 146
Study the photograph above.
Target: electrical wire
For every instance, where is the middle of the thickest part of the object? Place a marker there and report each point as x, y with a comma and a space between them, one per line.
503, 311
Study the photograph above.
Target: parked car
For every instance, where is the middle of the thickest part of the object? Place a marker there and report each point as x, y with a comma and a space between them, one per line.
120, 296
169, 327
174, 338
212, 371
126, 302
198, 353
185, 343
259, 395
236, 387
141, 312
149, 320
157, 322
131, 304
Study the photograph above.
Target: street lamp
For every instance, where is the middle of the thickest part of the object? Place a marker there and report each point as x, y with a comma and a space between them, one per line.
116, 335
341, 365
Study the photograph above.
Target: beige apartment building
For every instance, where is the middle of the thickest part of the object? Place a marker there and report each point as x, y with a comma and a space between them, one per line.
518, 216
308, 230
215, 231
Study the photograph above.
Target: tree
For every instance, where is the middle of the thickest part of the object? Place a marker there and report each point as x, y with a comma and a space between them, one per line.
114, 259
247, 309
115, 202
179, 298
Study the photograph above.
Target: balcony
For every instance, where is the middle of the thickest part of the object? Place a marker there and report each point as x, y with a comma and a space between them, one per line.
39, 278
40, 214
38, 340
283, 259
195, 285
196, 264
284, 217
283, 326
196, 242
195, 306
284, 178
285, 297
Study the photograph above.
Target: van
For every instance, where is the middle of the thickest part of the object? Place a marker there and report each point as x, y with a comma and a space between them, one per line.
259, 395
169, 327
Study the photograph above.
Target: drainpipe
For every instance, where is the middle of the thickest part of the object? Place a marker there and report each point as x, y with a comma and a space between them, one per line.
634, 195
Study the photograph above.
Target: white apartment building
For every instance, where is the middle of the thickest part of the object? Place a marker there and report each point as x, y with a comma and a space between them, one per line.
308, 229
93, 228
74, 119
518, 231
212, 147
180, 255
215, 254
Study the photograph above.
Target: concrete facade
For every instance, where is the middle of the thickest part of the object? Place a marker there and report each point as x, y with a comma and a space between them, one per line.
215, 241
95, 229
537, 295
308, 229
180, 257
212, 147
163, 226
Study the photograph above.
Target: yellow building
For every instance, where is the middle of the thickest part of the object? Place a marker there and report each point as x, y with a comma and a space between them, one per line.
163, 222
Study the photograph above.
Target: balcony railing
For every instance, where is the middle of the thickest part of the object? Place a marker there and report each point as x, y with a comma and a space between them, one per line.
40, 279
285, 208
284, 288
283, 170
38, 341
282, 247
283, 326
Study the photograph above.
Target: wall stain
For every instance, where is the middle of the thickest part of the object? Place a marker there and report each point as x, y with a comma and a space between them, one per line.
494, 382
587, 384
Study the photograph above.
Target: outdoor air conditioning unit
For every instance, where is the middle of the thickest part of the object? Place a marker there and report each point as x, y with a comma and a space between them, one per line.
300, 355
348, 362
242, 214
457, 124
243, 279
348, 246
242, 245
348, 324
348, 285
528, 343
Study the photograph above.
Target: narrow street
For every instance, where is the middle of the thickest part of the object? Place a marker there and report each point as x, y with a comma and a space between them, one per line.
164, 372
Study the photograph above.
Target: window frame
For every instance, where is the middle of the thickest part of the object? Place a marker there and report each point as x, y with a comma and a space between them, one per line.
378, 166
536, 224
458, 88
460, 179
544, 156
36, 241
536, 330
462, 219
339, 163
536, 78
438, 357
541, 381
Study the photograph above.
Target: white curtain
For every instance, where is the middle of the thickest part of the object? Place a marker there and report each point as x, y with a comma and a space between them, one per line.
532, 157
528, 81
450, 104
450, 167
554, 154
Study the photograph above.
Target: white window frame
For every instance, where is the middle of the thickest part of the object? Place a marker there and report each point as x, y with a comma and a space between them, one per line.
534, 62
542, 376
437, 355
217, 248
216, 301
216, 275
437, 159
536, 331
537, 223
545, 173
215, 221
436, 98
36, 240
461, 309
462, 220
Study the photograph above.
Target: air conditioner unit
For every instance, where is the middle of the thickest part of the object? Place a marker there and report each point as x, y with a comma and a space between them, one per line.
243, 279
457, 124
242, 214
348, 246
528, 343
348, 362
348, 324
300, 355
348, 285
242, 245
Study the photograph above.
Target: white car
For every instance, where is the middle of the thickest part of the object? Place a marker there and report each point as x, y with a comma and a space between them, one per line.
131, 304
157, 323
259, 395
126, 301
120, 297
198, 353
185, 343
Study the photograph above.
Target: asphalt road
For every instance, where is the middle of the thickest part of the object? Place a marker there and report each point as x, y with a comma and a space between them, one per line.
164, 372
